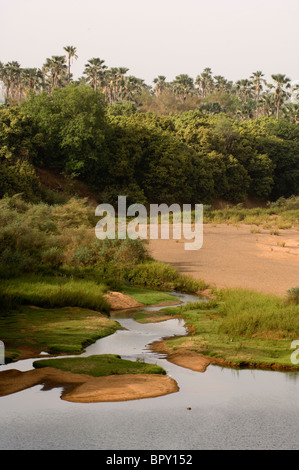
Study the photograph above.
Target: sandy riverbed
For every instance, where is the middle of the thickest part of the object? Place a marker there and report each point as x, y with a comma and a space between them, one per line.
232, 256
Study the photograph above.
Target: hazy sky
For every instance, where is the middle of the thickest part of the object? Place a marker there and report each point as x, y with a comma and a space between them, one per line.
156, 37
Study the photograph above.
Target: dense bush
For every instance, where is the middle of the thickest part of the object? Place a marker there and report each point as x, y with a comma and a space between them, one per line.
42, 238
161, 276
190, 157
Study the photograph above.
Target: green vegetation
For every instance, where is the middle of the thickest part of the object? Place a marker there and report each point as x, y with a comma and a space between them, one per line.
160, 276
68, 330
99, 366
293, 295
250, 314
190, 141
51, 292
54, 273
240, 328
59, 240
147, 296
282, 214
181, 158
250, 97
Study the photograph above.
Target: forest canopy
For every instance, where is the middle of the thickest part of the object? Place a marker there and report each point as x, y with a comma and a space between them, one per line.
186, 141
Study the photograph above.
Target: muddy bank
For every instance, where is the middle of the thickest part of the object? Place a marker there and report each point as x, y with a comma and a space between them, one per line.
199, 362
82, 388
183, 358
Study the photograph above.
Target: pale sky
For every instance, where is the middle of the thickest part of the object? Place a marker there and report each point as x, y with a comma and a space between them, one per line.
156, 37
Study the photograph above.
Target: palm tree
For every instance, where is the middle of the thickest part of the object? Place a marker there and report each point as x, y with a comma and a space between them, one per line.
205, 82
55, 70
160, 84
291, 112
133, 87
94, 72
71, 52
267, 102
244, 88
295, 91
183, 85
221, 84
11, 77
280, 94
257, 81
118, 82
31, 80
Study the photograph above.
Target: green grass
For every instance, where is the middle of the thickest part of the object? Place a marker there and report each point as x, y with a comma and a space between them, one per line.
241, 327
156, 275
148, 296
250, 313
100, 366
51, 292
151, 317
57, 331
281, 217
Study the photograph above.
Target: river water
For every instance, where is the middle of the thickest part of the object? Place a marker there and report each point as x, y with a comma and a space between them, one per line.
230, 409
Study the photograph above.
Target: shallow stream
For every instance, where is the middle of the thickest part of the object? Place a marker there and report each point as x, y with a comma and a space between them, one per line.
230, 409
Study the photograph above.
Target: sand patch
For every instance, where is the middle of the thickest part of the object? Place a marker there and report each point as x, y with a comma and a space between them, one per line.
83, 388
183, 358
118, 301
282, 247
232, 256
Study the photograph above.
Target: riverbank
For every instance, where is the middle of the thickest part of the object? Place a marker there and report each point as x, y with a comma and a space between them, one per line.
82, 388
239, 328
199, 362
104, 378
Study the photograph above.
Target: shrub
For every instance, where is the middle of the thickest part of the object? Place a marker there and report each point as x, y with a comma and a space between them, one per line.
293, 295
160, 276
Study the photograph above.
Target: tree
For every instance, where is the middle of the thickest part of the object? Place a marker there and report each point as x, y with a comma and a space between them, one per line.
11, 77
280, 94
221, 84
205, 82
31, 80
257, 82
71, 52
160, 84
71, 122
55, 70
183, 85
114, 84
94, 72
244, 89
291, 112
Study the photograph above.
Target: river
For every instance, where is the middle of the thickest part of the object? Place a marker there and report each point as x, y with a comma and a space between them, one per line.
218, 409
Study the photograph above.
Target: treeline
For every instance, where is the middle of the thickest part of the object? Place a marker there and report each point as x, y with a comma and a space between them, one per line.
247, 98
189, 157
